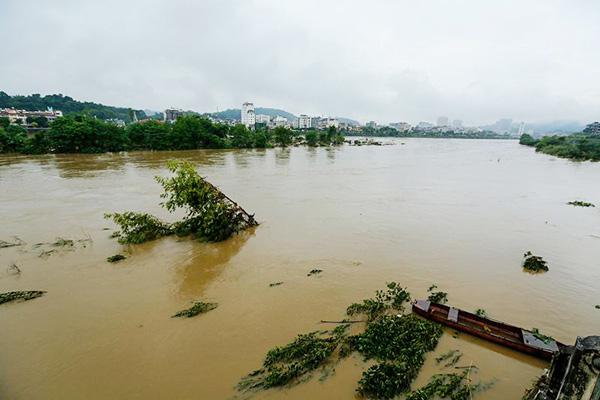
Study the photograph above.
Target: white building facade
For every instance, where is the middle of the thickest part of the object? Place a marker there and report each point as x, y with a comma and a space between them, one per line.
304, 122
248, 116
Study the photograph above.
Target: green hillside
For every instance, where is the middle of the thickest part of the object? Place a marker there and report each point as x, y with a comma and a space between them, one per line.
67, 105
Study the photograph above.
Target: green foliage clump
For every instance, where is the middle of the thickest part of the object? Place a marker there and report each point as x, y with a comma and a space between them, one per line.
385, 380
210, 214
115, 258
393, 298
534, 263
578, 203
20, 296
480, 312
527, 140
314, 272
198, 308
398, 343
138, 228
285, 365
578, 147
275, 284
401, 342
437, 297
448, 386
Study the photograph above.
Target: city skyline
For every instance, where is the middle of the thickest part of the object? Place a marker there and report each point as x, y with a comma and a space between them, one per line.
471, 61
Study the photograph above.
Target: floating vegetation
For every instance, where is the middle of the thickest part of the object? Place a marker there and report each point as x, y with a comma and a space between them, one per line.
437, 297
449, 386
209, 214
534, 263
17, 242
285, 365
578, 203
385, 380
61, 244
20, 296
115, 258
138, 227
480, 312
13, 269
398, 343
275, 284
452, 357
314, 272
393, 298
198, 308
598, 306
538, 335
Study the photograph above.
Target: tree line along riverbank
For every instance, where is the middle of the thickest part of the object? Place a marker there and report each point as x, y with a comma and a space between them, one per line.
85, 134
578, 147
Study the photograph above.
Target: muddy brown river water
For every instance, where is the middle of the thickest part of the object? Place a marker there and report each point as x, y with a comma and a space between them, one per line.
458, 213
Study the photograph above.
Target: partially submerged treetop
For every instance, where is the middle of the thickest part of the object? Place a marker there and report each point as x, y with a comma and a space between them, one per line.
210, 214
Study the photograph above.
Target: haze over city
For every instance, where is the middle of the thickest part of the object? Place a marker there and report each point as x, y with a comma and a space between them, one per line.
385, 61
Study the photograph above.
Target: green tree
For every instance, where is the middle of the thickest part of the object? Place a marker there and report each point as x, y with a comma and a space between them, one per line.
12, 139
241, 137
312, 138
4, 122
283, 136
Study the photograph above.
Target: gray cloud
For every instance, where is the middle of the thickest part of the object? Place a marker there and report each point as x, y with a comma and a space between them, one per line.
383, 60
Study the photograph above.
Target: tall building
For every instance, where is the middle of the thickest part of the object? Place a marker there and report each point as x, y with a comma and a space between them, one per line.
371, 124
304, 121
442, 121
248, 116
457, 123
503, 125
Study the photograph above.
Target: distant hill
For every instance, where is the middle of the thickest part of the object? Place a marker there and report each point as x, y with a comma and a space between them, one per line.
234, 113
67, 105
348, 121
557, 127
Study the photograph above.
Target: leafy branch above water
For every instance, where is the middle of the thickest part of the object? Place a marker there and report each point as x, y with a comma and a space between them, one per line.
20, 296
533, 263
209, 213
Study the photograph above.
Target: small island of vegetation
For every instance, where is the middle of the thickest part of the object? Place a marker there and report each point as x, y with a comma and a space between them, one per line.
584, 146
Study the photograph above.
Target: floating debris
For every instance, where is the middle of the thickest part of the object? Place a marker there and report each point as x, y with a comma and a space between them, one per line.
437, 297
198, 308
452, 386
275, 284
398, 343
480, 312
580, 204
13, 269
452, 356
598, 306
314, 272
285, 365
115, 258
393, 298
534, 263
17, 242
210, 214
20, 296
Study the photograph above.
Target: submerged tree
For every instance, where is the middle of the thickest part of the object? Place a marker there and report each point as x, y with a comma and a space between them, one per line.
210, 214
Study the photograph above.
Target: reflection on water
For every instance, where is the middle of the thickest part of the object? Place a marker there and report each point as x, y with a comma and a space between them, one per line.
457, 213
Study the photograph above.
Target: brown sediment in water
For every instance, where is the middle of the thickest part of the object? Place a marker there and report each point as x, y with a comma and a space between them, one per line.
441, 212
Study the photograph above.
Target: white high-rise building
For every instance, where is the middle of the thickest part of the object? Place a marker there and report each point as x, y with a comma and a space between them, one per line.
248, 116
304, 122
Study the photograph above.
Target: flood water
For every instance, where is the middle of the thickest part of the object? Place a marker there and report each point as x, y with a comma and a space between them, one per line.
458, 213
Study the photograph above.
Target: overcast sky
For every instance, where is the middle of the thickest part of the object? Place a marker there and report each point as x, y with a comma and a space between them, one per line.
391, 60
